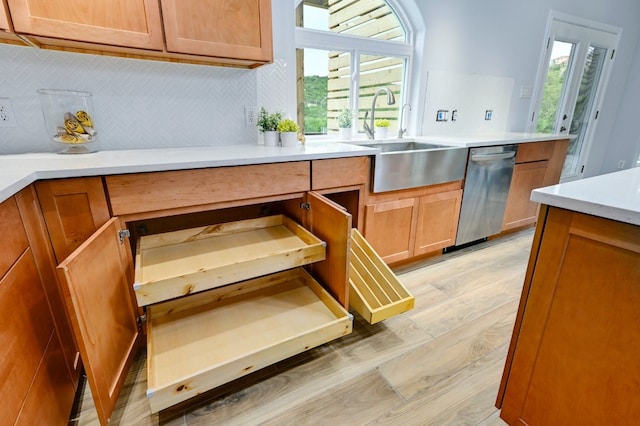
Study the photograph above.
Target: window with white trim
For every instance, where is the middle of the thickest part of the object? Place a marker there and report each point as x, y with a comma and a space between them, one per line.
347, 50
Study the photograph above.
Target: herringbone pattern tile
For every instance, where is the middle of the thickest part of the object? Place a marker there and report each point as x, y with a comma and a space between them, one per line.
138, 103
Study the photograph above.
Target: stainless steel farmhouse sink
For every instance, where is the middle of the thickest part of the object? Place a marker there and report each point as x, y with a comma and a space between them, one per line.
402, 165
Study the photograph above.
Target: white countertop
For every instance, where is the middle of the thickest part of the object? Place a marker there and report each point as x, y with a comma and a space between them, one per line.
613, 196
471, 141
19, 171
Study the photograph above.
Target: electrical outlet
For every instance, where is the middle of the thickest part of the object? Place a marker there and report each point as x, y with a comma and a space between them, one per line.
7, 118
621, 164
250, 116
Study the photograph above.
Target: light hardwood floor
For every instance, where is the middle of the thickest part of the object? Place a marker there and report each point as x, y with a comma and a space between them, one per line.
438, 364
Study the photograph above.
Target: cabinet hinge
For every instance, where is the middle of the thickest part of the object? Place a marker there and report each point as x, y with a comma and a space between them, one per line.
141, 319
305, 206
123, 233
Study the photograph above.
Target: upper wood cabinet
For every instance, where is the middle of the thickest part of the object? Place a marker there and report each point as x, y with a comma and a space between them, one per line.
216, 32
134, 23
4, 16
230, 29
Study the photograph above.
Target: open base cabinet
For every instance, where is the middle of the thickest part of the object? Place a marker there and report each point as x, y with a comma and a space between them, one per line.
238, 298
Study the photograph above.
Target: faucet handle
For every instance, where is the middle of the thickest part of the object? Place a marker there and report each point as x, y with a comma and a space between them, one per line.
366, 127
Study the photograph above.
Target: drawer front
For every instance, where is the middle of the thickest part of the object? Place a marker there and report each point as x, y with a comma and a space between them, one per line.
14, 239
27, 327
147, 192
535, 151
337, 172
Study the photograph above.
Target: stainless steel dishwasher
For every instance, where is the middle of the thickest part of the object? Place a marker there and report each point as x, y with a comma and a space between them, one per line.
486, 187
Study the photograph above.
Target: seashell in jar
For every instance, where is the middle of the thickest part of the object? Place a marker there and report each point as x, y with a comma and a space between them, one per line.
72, 124
61, 131
84, 118
67, 138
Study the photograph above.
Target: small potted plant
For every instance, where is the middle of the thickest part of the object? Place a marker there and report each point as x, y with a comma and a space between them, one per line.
268, 125
288, 132
345, 120
382, 126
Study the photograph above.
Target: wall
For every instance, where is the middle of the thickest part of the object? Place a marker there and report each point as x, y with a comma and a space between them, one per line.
504, 38
625, 137
138, 104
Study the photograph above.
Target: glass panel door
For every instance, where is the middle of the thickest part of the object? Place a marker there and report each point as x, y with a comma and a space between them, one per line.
555, 87
578, 57
583, 108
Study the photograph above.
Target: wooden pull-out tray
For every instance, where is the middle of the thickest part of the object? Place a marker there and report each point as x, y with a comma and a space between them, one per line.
205, 340
175, 264
374, 290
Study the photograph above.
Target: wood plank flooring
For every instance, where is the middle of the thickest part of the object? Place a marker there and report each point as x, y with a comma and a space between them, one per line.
438, 364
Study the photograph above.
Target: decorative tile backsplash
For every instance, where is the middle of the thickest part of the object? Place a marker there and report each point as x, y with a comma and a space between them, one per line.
138, 103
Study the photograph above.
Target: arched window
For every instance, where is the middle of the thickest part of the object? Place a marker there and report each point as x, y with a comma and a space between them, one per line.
347, 50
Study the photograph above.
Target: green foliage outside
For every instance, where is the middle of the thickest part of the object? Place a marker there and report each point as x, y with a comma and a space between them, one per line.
315, 104
551, 98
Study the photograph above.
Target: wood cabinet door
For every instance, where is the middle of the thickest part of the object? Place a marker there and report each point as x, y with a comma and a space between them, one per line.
38, 237
4, 16
231, 29
577, 348
97, 282
389, 227
27, 328
520, 210
73, 210
133, 23
437, 221
331, 223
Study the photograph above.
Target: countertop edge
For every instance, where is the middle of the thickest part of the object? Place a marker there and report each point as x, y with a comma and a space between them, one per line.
614, 196
19, 171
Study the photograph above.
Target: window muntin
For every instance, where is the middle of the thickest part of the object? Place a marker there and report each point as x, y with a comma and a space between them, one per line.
375, 72
365, 46
362, 18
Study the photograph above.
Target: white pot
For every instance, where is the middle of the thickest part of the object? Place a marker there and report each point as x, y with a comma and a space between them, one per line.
289, 139
270, 138
381, 132
344, 133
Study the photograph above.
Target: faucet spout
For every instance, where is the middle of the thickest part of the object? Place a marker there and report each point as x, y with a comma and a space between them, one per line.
369, 129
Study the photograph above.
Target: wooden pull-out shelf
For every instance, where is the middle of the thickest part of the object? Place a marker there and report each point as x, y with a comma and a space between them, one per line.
374, 290
205, 340
179, 263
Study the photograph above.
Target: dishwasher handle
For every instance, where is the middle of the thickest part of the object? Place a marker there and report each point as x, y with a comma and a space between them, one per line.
492, 157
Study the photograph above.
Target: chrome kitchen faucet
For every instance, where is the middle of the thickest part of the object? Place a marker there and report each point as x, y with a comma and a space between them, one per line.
369, 128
